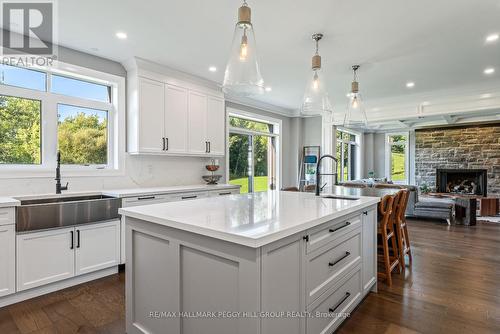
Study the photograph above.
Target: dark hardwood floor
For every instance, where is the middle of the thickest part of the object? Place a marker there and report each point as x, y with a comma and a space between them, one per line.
453, 287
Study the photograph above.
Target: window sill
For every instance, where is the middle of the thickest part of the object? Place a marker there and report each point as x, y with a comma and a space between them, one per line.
28, 173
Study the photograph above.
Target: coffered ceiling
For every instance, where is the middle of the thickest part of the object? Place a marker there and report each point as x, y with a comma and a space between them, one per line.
438, 45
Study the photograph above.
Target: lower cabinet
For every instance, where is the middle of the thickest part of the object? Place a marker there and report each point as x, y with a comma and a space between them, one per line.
7, 260
369, 241
97, 247
50, 256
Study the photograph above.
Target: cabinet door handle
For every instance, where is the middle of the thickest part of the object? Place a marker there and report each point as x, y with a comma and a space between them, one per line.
331, 264
365, 213
333, 309
209, 147
163, 139
166, 146
77, 238
339, 228
145, 198
188, 197
206, 147
72, 240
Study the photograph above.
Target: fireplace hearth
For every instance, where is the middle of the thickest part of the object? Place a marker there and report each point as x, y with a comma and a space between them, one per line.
462, 181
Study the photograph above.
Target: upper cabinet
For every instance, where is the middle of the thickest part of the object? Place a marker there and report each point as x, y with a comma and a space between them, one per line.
170, 117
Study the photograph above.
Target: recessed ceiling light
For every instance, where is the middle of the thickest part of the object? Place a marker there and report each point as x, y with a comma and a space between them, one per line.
489, 70
426, 103
410, 84
212, 69
486, 96
121, 35
268, 89
492, 38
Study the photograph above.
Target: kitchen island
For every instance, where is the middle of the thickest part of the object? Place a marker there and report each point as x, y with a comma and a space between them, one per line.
270, 262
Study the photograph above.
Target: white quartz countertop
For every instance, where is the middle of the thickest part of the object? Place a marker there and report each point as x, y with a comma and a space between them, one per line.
6, 202
131, 192
252, 220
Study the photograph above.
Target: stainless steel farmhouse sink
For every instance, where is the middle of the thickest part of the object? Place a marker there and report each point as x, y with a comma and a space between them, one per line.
44, 213
340, 197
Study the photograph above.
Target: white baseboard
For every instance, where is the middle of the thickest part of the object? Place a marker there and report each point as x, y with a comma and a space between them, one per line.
42, 290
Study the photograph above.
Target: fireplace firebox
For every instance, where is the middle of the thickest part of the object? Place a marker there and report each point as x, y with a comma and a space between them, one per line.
462, 181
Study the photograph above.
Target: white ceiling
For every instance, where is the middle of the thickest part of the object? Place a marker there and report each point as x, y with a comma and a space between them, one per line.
438, 44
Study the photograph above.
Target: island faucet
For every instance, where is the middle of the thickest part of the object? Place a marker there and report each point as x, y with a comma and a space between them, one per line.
59, 187
318, 172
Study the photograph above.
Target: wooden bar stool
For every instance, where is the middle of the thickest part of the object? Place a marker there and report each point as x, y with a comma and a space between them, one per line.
386, 233
402, 229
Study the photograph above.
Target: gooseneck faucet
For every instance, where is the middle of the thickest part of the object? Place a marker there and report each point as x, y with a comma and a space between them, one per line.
59, 187
318, 172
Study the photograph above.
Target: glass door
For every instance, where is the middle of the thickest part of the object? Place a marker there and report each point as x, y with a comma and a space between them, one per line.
240, 157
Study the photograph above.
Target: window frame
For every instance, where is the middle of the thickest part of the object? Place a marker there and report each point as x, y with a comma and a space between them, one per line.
49, 124
388, 160
277, 126
357, 162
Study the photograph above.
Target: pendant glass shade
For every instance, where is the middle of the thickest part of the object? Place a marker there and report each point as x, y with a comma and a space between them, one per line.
356, 115
316, 101
242, 76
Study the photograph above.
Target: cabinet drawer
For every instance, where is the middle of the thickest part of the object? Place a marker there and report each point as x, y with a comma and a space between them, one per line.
327, 265
187, 196
341, 299
331, 231
7, 216
224, 192
144, 200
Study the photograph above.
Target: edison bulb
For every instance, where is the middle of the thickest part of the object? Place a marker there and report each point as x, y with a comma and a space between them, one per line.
315, 81
355, 103
244, 48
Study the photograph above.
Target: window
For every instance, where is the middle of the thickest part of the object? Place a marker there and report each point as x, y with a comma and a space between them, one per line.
21, 77
397, 157
79, 88
80, 120
82, 135
252, 153
20, 128
347, 152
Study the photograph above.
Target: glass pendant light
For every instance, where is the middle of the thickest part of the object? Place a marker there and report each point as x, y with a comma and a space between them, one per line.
242, 76
316, 101
355, 116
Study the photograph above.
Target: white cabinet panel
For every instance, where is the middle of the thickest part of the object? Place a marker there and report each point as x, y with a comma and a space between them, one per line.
151, 116
197, 123
44, 257
7, 260
97, 246
7, 216
369, 238
216, 125
176, 119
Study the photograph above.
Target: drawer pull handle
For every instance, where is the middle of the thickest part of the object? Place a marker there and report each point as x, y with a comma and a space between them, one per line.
226, 193
331, 264
145, 198
188, 197
333, 309
365, 213
339, 228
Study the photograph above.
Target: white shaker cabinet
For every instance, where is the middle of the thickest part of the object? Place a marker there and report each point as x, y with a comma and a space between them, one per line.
97, 247
369, 241
216, 116
45, 257
7, 259
166, 116
197, 116
151, 118
176, 119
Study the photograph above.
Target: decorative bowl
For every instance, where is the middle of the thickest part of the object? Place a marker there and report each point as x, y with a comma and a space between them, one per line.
212, 168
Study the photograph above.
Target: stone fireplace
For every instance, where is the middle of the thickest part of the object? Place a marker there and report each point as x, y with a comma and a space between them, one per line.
462, 148
462, 181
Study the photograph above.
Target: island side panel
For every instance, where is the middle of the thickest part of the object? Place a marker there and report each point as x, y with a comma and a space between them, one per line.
369, 246
283, 284
193, 273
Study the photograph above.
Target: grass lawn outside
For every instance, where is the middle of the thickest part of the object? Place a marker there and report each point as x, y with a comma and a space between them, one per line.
398, 167
260, 184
